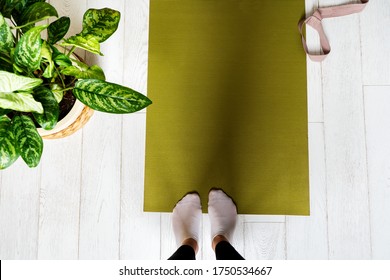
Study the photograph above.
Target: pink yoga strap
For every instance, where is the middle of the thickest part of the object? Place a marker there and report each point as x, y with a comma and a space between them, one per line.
315, 22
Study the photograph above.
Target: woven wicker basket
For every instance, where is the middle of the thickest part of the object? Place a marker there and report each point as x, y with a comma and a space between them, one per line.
75, 120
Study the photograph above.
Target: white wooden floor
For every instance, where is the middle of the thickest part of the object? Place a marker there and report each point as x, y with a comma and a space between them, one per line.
84, 201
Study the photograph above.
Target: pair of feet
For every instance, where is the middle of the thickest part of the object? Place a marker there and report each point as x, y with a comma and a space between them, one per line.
187, 217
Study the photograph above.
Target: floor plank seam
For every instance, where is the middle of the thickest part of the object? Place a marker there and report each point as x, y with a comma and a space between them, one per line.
123, 35
80, 196
368, 176
120, 195
382, 85
326, 191
265, 223
245, 238
161, 241
39, 209
285, 242
365, 133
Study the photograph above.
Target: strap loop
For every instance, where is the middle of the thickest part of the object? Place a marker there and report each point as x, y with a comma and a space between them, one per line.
315, 21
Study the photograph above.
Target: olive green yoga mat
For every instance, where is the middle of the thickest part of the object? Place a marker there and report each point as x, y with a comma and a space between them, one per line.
228, 84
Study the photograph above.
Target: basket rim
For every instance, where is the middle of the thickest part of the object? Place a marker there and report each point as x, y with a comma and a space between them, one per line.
82, 118
70, 118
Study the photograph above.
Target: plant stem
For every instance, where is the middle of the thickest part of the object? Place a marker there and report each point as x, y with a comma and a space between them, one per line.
59, 75
71, 50
30, 23
66, 89
73, 81
59, 90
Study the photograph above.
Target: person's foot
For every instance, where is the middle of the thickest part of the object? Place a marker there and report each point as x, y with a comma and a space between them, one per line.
223, 216
186, 220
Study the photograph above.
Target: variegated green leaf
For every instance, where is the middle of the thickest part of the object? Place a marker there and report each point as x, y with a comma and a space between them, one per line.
8, 6
58, 29
30, 2
46, 54
8, 150
60, 59
20, 101
108, 97
23, 4
100, 24
17, 69
46, 51
10, 82
88, 43
83, 71
49, 118
19, 9
28, 140
28, 49
15, 93
49, 71
6, 37
36, 12
57, 92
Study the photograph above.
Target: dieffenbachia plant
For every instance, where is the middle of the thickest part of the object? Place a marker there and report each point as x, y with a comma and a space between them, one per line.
35, 72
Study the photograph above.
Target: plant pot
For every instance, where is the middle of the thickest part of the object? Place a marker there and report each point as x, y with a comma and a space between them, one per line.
78, 116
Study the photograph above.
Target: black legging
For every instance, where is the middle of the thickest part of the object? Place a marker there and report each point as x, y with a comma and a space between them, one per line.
223, 251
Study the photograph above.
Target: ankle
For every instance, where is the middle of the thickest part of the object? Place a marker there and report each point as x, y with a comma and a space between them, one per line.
217, 239
192, 243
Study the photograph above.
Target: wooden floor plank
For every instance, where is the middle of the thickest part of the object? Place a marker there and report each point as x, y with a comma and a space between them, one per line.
264, 218
307, 237
314, 72
374, 23
346, 165
239, 237
377, 109
136, 224
60, 199
265, 241
73, 9
136, 20
101, 176
100, 188
207, 252
19, 209
140, 231
168, 241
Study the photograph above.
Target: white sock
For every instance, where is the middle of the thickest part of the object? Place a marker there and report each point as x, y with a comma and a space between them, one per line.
186, 218
222, 213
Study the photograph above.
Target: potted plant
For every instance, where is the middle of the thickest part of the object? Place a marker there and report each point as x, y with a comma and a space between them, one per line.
41, 80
